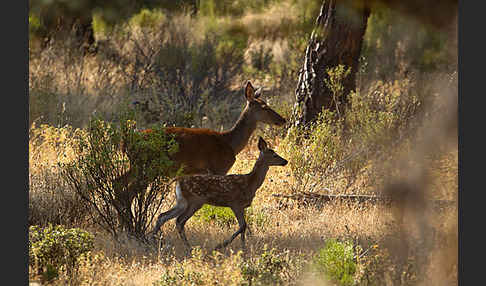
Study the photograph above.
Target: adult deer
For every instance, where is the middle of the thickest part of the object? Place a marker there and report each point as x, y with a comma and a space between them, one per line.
203, 151
234, 191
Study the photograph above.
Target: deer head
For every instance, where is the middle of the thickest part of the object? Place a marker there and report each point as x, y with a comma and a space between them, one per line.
269, 156
259, 109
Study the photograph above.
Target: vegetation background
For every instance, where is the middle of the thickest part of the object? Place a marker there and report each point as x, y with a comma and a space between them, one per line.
186, 65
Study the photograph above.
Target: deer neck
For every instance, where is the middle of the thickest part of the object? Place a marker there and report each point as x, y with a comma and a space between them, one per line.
239, 135
257, 175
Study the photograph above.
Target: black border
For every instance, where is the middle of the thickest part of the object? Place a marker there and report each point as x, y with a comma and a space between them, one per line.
15, 141
470, 128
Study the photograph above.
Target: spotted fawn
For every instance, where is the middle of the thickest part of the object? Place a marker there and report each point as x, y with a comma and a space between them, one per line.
234, 191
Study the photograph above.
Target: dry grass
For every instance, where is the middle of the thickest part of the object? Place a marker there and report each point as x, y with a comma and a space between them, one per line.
293, 230
402, 244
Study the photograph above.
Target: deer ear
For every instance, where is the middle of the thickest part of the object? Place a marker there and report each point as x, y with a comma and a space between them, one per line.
249, 92
262, 145
258, 92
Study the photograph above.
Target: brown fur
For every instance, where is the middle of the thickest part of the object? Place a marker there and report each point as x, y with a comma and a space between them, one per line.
202, 151
234, 191
205, 151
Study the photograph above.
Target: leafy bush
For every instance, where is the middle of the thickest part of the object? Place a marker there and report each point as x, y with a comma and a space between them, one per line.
373, 263
256, 217
336, 260
265, 269
54, 248
269, 267
147, 18
335, 83
338, 147
34, 23
114, 167
314, 151
223, 216
180, 277
214, 8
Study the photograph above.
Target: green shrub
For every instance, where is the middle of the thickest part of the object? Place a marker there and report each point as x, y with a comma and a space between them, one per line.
222, 216
269, 267
336, 260
213, 8
100, 27
334, 82
265, 269
147, 18
121, 201
34, 23
338, 147
180, 276
382, 266
256, 217
315, 151
54, 248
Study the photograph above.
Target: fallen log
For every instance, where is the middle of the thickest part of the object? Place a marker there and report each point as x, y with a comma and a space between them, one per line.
319, 199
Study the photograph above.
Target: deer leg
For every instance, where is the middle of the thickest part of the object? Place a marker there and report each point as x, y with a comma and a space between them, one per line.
248, 228
242, 222
170, 214
239, 213
182, 219
177, 210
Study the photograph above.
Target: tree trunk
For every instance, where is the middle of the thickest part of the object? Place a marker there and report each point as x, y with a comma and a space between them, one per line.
336, 40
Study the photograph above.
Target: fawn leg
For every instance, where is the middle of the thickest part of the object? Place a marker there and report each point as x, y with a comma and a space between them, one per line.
182, 219
242, 223
177, 210
170, 214
248, 229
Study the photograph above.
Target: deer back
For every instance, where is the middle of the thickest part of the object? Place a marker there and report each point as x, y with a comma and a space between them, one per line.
202, 151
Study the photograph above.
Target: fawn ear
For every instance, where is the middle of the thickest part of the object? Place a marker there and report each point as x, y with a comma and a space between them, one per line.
262, 145
258, 92
249, 92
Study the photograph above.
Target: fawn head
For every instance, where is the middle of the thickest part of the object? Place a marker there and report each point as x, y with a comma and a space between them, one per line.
259, 108
269, 156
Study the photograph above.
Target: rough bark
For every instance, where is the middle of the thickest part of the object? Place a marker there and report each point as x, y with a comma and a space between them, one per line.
336, 40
